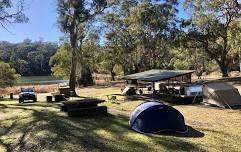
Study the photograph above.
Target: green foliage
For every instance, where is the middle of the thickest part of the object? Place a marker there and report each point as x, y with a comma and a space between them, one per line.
12, 12
28, 58
86, 77
74, 18
118, 70
61, 61
86, 63
210, 26
181, 64
8, 75
140, 34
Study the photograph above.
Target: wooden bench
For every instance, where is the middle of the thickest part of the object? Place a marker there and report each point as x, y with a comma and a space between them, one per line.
84, 107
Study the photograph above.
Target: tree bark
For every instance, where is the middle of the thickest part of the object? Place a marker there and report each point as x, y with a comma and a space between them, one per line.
223, 67
224, 71
72, 79
239, 55
223, 62
112, 75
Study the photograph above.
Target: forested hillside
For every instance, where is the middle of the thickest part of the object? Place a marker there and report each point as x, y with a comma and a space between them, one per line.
123, 37
28, 58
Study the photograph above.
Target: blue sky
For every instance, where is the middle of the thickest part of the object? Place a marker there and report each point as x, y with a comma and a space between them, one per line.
42, 23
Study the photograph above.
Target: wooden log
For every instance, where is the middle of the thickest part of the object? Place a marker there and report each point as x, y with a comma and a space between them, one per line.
87, 112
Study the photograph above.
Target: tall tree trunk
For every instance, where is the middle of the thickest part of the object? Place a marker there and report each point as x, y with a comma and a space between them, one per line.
72, 79
224, 59
224, 71
224, 68
112, 75
137, 69
239, 55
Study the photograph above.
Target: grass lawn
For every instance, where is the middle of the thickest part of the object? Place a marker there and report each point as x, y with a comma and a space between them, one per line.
42, 127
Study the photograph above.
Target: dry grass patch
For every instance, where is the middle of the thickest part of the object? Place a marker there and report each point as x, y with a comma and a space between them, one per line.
42, 127
38, 89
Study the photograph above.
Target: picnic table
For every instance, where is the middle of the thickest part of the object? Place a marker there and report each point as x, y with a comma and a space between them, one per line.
82, 103
83, 107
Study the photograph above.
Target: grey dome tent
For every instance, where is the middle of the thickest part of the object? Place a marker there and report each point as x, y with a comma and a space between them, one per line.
153, 117
221, 94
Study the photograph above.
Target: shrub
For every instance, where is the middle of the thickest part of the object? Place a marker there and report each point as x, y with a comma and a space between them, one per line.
8, 75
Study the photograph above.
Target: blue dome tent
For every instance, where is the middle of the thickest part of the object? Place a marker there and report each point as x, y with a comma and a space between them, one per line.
153, 117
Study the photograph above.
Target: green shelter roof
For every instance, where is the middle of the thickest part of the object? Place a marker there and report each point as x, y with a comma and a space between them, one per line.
157, 75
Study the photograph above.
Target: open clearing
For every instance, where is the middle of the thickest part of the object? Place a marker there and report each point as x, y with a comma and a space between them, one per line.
42, 127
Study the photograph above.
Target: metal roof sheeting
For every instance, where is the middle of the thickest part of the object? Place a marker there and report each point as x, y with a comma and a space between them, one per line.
157, 75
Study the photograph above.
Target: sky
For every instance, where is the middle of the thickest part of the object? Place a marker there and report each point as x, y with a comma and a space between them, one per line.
42, 23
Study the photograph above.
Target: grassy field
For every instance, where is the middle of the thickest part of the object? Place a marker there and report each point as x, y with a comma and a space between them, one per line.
42, 127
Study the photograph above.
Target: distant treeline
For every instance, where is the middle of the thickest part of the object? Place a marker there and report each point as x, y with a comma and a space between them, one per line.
28, 58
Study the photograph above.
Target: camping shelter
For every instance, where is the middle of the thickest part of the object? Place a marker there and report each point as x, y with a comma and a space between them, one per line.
161, 75
221, 94
153, 117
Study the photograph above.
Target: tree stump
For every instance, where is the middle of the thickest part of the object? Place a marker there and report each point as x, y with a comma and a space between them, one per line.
59, 97
49, 99
11, 95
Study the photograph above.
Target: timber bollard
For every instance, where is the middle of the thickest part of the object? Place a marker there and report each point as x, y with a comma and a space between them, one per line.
11, 95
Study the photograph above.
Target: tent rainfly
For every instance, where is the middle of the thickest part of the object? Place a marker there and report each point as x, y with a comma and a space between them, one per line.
153, 117
221, 94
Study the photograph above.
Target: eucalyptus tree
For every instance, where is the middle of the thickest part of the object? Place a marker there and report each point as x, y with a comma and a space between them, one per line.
235, 45
12, 12
74, 15
210, 24
140, 33
86, 63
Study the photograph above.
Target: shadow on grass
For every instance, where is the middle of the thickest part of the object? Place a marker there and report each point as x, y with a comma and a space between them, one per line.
192, 133
109, 133
8, 99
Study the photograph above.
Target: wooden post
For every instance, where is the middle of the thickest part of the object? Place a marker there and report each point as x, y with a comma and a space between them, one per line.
239, 54
137, 86
11, 95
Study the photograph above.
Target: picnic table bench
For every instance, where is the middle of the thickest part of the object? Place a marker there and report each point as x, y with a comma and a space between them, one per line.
83, 103
84, 107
